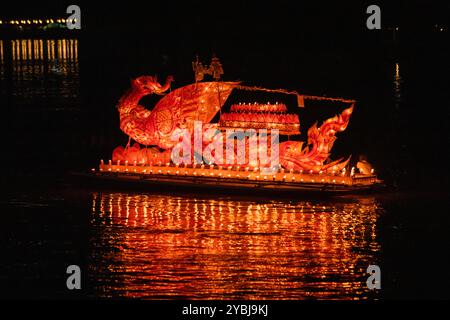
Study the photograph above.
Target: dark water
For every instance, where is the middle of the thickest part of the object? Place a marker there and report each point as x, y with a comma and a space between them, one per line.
59, 97
203, 248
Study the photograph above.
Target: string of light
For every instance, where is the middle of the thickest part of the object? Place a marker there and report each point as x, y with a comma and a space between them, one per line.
300, 97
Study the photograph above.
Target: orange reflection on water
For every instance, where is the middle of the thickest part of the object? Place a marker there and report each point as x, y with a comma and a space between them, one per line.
37, 49
165, 246
42, 69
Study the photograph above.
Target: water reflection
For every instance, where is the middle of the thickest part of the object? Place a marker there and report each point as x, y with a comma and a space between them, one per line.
160, 246
397, 86
1, 51
40, 69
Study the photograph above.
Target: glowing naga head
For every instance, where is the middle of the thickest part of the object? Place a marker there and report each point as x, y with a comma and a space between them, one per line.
181, 107
150, 85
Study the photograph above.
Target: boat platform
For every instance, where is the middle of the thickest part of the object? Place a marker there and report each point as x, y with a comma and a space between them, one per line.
237, 178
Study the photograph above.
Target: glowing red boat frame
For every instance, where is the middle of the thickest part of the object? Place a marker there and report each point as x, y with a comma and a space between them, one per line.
302, 166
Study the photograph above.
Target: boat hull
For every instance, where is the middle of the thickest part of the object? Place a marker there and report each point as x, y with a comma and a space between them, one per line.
205, 183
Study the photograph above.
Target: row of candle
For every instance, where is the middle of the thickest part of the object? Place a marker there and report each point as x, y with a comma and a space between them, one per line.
262, 177
256, 107
261, 117
342, 172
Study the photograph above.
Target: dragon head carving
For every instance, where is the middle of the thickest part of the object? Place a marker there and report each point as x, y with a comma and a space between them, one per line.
149, 84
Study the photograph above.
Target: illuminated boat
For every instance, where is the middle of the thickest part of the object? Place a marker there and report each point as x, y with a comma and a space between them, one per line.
176, 143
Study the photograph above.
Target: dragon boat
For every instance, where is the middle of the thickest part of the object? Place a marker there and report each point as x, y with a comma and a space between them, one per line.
177, 144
